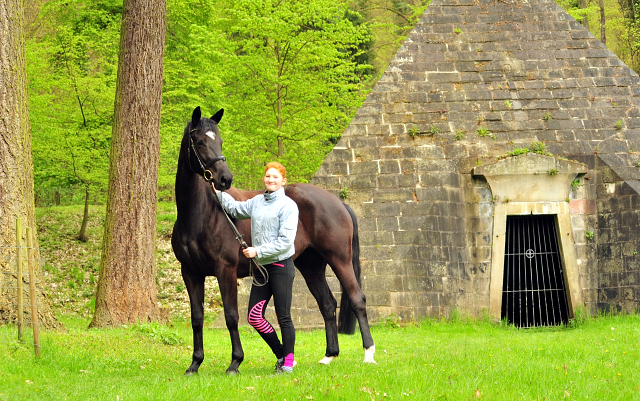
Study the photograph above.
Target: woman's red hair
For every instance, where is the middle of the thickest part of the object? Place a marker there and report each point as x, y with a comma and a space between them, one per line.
277, 166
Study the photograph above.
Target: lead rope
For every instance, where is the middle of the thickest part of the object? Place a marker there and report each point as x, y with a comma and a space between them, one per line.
243, 244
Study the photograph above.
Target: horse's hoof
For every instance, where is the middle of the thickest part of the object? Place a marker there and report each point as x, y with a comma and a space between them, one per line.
233, 372
326, 360
368, 354
190, 373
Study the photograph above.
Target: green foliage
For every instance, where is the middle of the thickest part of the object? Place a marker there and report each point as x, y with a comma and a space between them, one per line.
547, 116
290, 80
508, 104
413, 132
482, 131
589, 234
576, 184
434, 130
538, 147
72, 69
622, 25
517, 151
619, 125
553, 171
459, 135
535, 147
344, 193
457, 31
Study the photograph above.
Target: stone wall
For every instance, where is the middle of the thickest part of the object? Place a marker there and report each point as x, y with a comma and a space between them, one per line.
473, 81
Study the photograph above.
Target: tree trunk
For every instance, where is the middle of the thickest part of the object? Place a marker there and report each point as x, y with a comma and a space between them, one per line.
603, 20
585, 19
82, 236
127, 288
16, 165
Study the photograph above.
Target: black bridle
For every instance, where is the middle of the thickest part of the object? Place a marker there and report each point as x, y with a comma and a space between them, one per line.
206, 173
208, 177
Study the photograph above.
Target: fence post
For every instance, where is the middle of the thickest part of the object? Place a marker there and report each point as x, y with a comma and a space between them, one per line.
32, 290
19, 287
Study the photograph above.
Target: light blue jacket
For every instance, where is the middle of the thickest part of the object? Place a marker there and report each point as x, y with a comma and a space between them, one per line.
274, 222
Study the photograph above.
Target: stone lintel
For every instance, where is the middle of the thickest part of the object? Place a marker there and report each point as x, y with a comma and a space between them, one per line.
531, 178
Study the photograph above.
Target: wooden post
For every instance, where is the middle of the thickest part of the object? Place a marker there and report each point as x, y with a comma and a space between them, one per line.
19, 287
32, 290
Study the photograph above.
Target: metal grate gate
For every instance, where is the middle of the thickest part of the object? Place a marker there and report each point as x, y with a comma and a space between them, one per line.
533, 291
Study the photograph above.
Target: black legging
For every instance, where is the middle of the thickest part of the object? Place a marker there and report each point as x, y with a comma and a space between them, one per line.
280, 287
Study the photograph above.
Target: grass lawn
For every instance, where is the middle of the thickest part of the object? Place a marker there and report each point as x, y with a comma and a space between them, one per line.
597, 360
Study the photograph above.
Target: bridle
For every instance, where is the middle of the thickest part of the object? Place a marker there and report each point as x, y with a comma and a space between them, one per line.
208, 177
206, 173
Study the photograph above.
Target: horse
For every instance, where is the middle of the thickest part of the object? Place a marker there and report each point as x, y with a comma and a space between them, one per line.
205, 245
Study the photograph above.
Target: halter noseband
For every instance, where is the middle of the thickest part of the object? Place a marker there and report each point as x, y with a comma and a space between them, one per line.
206, 173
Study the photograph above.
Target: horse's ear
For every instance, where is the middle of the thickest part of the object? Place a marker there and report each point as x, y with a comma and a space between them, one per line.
218, 116
195, 117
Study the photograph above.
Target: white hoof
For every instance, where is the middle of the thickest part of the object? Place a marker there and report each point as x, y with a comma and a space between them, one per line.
368, 354
326, 360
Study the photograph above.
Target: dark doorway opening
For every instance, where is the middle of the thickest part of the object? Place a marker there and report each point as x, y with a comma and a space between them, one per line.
533, 290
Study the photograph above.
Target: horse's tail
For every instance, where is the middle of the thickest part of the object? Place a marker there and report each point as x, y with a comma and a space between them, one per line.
346, 318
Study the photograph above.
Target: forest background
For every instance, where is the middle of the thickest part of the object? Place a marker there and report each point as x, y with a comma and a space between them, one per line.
290, 75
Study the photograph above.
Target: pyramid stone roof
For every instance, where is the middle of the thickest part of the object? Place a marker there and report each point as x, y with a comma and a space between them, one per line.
473, 80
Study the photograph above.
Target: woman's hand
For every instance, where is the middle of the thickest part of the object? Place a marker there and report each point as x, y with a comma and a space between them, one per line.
250, 252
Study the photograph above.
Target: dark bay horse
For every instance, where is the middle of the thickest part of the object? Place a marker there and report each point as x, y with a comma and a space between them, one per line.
205, 245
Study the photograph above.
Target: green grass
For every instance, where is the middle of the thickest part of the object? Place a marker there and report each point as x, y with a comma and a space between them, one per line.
598, 360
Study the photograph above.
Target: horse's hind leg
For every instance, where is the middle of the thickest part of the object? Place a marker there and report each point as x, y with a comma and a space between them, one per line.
344, 272
195, 288
313, 266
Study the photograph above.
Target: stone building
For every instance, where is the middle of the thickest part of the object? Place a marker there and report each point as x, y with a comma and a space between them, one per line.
494, 168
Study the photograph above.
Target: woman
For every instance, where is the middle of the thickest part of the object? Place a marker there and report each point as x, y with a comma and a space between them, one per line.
274, 222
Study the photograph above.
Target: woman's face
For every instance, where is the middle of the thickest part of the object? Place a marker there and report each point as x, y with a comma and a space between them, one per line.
273, 180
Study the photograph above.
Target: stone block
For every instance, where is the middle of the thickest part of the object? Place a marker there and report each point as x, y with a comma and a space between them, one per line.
337, 168
388, 181
376, 238
363, 168
377, 252
408, 238
388, 268
381, 209
387, 223
393, 195
407, 180
432, 194
391, 283
611, 265
378, 298
358, 182
410, 223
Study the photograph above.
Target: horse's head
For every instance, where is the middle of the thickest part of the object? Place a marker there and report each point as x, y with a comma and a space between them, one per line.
205, 149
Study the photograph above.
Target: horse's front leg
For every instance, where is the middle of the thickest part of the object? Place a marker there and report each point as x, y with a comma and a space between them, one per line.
195, 288
228, 283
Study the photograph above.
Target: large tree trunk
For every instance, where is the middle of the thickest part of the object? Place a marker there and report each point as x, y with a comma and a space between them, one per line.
603, 24
585, 19
127, 287
16, 165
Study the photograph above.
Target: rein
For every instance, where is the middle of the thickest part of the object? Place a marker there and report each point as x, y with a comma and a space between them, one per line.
243, 244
